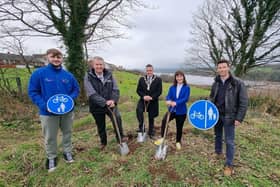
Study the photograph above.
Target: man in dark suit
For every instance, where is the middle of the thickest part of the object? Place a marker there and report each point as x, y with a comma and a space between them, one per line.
149, 89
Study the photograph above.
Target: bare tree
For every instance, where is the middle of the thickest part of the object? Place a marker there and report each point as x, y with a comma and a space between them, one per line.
76, 22
16, 45
247, 32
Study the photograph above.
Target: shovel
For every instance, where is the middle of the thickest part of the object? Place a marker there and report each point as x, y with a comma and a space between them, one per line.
142, 136
161, 151
123, 148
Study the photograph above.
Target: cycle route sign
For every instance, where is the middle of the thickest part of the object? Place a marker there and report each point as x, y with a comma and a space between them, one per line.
60, 104
203, 114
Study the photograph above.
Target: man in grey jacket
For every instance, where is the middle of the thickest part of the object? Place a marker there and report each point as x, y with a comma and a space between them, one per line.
230, 96
103, 93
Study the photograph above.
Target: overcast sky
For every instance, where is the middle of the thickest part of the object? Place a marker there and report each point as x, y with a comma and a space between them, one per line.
160, 36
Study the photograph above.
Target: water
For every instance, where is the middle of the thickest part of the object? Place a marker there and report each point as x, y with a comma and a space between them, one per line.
199, 80
208, 81
195, 79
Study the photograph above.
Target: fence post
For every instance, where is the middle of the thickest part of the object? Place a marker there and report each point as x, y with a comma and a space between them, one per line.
19, 85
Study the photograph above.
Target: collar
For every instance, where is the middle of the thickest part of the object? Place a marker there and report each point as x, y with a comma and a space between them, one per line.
54, 68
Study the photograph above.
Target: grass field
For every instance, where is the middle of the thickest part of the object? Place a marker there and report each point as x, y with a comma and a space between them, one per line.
22, 156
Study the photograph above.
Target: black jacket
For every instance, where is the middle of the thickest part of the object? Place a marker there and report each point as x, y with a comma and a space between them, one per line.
98, 92
154, 91
236, 98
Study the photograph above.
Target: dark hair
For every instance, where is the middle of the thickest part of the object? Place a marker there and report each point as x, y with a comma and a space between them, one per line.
149, 66
179, 73
223, 61
54, 51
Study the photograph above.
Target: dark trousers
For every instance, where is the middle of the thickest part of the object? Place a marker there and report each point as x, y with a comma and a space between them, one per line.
140, 117
180, 119
229, 129
101, 124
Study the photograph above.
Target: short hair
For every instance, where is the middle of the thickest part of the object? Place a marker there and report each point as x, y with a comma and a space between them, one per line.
223, 61
96, 58
54, 51
149, 66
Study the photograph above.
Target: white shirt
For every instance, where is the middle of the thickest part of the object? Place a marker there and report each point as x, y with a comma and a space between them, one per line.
178, 89
101, 77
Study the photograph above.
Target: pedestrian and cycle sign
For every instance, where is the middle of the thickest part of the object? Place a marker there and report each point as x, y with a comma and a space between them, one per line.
203, 114
60, 104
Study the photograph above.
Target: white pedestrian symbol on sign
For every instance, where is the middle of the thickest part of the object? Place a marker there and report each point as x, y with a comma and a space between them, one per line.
211, 114
62, 107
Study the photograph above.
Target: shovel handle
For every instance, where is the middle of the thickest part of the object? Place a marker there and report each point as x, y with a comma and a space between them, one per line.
146, 104
115, 124
167, 122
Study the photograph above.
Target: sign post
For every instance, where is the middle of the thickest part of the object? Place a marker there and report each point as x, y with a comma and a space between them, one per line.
203, 114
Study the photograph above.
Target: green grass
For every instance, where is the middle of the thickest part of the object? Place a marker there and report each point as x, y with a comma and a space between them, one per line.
257, 155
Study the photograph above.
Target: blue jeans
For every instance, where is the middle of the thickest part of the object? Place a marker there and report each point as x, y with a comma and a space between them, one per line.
228, 126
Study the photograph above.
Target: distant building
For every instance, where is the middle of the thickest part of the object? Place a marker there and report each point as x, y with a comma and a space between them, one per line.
8, 60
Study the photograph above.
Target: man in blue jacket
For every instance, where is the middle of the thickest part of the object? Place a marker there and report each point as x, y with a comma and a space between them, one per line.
44, 83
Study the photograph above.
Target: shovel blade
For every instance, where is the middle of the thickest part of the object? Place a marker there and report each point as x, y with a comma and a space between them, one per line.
161, 152
141, 137
123, 149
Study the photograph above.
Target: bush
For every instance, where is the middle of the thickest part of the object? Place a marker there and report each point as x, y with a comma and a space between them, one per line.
265, 104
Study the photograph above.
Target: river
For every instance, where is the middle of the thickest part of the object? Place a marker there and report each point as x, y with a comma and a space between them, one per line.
207, 81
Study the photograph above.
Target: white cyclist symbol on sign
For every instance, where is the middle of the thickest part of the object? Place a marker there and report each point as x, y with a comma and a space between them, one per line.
60, 99
196, 114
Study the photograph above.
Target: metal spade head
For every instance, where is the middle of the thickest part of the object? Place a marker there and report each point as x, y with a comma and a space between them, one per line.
161, 152
123, 149
142, 136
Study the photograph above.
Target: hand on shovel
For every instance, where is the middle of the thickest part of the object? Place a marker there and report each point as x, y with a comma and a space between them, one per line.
110, 103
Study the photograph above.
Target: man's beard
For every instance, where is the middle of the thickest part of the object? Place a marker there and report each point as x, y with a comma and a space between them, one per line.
56, 66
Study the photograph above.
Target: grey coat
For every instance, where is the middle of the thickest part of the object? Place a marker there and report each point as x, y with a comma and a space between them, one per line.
236, 98
99, 92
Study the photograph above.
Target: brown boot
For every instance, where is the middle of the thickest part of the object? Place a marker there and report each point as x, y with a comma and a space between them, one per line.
228, 171
219, 156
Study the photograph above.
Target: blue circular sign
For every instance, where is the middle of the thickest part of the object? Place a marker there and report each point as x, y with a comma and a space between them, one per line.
60, 104
203, 114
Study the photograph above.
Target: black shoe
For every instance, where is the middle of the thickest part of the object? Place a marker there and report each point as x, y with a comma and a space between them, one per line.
102, 147
152, 137
139, 130
68, 157
51, 164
